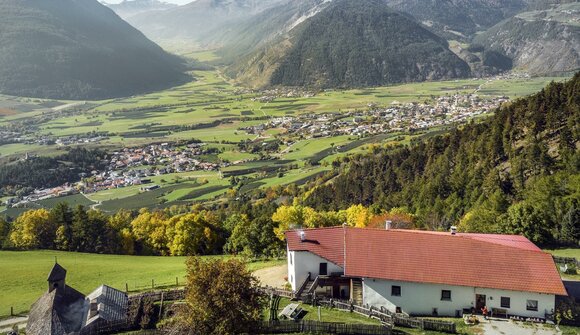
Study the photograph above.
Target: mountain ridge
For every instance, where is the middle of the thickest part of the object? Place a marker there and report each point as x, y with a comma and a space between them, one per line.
72, 49
352, 45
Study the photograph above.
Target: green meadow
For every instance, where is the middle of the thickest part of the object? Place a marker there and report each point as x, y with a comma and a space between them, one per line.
24, 273
213, 110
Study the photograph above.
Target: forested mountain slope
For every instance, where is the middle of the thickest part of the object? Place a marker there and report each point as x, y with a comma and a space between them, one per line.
516, 172
539, 42
77, 49
352, 44
459, 19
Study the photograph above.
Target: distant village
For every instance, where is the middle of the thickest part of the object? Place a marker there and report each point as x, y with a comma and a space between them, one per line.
446, 110
130, 167
134, 166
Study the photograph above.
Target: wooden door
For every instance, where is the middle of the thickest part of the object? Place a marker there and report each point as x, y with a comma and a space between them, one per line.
480, 302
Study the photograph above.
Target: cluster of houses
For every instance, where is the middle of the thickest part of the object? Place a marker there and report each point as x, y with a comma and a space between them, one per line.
273, 94
42, 194
446, 110
162, 158
134, 166
129, 167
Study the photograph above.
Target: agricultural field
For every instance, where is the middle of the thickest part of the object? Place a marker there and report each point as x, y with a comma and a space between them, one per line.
22, 285
212, 110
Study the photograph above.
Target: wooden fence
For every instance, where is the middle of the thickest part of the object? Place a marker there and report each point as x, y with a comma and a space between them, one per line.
277, 291
397, 319
156, 296
316, 327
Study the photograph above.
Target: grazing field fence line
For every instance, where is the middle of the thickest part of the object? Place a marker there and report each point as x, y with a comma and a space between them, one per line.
153, 284
318, 327
388, 317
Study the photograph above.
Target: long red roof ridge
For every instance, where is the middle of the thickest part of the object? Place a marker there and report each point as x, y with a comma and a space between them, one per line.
508, 262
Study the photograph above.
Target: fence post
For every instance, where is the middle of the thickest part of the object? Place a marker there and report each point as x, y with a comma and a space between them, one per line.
126, 287
11, 311
176, 281
152, 283
161, 306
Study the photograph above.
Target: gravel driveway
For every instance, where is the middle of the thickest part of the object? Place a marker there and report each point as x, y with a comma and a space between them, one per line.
507, 327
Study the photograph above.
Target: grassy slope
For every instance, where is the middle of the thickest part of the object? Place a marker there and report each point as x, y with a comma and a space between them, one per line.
210, 98
571, 252
23, 274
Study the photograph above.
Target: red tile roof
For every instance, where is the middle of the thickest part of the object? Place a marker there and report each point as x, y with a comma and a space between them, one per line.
327, 243
475, 260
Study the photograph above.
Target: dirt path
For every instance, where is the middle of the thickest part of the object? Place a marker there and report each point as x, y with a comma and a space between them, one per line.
507, 327
273, 276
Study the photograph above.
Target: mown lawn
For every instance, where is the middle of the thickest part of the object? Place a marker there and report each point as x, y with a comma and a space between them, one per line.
570, 252
23, 273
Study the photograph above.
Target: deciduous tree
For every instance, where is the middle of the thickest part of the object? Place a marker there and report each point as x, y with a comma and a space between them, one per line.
221, 299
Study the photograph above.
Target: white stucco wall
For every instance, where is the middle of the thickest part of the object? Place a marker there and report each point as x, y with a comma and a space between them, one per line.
420, 298
302, 262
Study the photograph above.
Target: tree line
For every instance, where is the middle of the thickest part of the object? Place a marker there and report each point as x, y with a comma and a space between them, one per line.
254, 231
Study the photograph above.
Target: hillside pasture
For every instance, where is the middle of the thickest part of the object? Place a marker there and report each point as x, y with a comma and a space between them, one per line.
24, 273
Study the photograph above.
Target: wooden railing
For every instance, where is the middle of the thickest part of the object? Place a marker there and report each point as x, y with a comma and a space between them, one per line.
314, 285
316, 327
303, 286
277, 291
388, 317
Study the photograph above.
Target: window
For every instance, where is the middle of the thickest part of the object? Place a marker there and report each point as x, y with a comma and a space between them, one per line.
290, 259
396, 291
505, 302
532, 305
446, 295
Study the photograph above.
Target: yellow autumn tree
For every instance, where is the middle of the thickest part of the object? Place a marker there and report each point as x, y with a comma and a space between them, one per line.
358, 216
149, 228
32, 230
289, 217
192, 234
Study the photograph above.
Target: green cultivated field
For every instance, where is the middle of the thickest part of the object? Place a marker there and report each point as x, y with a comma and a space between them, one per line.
23, 274
213, 110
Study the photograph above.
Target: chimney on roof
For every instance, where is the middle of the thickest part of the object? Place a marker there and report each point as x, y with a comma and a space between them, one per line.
302, 236
453, 230
388, 224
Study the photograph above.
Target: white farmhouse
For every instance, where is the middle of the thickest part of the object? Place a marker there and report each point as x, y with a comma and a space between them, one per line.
424, 273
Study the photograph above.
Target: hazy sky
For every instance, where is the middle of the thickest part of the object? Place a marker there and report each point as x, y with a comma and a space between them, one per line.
179, 2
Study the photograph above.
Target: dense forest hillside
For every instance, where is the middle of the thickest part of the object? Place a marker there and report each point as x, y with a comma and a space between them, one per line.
539, 42
517, 172
352, 44
77, 49
22, 176
458, 19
